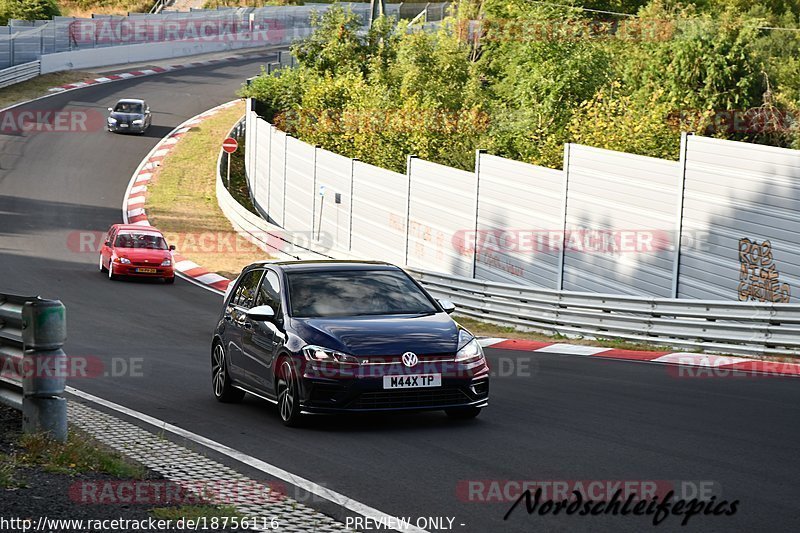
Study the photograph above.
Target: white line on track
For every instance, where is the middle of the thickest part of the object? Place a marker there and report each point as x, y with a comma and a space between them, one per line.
258, 464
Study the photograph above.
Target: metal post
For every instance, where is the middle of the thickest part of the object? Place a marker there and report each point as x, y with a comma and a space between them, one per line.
44, 331
676, 262
477, 212
352, 180
229, 171
560, 282
408, 204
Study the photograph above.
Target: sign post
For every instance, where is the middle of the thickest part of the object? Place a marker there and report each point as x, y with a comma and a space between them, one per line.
229, 145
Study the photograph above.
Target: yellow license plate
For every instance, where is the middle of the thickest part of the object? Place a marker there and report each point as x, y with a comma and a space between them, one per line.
146, 270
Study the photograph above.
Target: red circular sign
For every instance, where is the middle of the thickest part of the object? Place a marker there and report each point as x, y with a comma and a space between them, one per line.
230, 145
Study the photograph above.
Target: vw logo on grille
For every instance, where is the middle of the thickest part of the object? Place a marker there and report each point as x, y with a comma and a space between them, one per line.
410, 359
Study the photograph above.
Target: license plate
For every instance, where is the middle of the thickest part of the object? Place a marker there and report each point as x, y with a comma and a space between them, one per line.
414, 381
123, 125
146, 270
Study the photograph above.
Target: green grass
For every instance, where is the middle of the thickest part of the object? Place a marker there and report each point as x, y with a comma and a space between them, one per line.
486, 329
85, 8
38, 86
8, 471
193, 512
80, 454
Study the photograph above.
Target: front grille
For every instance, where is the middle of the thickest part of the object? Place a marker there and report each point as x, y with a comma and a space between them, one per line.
143, 264
409, 398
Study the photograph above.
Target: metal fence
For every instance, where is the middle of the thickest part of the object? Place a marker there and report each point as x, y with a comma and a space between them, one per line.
33, 365
748, 328
25, 41
722, 223
18, 73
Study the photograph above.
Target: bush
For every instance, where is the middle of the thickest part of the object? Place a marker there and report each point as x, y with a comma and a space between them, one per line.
533, 76
27, 10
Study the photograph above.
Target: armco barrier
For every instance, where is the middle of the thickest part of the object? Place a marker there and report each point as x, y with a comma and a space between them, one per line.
736, 327
32, 362
19, 73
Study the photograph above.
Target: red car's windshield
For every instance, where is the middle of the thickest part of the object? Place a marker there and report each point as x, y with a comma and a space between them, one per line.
141, 240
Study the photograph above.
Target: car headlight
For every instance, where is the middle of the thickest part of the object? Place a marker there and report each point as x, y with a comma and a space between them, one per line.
166, 263
123, 260
469, 350
318, 354
112, 120
138, 122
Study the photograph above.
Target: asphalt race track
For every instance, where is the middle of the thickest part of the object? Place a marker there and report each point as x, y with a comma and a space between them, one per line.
553, 418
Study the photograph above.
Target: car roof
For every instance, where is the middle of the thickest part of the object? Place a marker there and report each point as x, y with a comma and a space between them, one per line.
136, 227
326, 265
130, 101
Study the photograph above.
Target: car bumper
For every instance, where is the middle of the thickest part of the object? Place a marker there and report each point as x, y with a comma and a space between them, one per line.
134, 270
130, 129
461, 386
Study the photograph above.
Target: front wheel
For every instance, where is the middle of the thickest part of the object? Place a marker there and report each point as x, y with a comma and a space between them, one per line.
288, 397
102, 266
221, 380
463, 413
169, 281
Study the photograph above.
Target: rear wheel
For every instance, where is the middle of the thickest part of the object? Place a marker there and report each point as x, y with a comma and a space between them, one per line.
288, 398
221, 380
463, 413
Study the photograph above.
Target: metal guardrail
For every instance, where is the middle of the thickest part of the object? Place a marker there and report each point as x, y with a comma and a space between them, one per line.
751, 328
159, 6
19, 73
33, 363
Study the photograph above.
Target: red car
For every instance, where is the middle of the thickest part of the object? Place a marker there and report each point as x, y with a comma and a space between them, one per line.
132, 250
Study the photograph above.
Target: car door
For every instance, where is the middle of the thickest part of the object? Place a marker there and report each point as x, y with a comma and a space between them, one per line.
235, 316
107, 250
261, 340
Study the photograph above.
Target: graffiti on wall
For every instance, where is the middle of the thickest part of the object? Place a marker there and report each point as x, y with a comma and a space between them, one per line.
759, 279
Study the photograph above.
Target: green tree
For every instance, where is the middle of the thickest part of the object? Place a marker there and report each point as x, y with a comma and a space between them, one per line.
27, 10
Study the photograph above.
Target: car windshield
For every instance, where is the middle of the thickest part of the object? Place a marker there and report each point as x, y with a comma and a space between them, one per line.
141, 240
355, 292
128, 107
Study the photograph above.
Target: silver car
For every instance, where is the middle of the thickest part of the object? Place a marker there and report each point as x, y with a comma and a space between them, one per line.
129, 115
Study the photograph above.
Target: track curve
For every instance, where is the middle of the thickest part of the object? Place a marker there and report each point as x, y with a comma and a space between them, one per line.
568, 418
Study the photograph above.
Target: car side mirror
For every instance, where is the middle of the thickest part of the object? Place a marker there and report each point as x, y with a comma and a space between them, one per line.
172, 247
107, 243
111, 109
447, 306
261, 313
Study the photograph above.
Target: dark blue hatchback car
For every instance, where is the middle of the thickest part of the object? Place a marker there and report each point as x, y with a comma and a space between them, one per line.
342, 336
